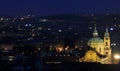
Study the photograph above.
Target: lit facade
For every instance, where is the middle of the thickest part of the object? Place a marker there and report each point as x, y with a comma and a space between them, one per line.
100, 50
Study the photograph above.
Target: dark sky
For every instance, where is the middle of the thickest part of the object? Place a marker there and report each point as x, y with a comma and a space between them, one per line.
48, 7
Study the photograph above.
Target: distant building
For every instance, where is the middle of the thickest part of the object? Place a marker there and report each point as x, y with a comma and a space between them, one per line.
6, 52
100, 50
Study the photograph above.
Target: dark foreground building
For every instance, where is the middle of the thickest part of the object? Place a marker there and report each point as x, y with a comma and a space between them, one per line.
67, 66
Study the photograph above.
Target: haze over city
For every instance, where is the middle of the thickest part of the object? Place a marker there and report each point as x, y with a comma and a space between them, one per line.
50, 7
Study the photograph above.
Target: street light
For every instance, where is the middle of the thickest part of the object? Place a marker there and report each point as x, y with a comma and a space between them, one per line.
117, 58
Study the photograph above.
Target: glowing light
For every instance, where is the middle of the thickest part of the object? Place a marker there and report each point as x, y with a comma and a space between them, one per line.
114, 44
117, 56
43, 20
28, 15
26, 25
5, 49
60, 49
90, 27
22, 18
68, 55
69, 28
38, 49
29, 24
49, 29
59, 30
33, 35
10, 59
66, 48
118, 25
40, 28
111, 29
115, 25
1, 19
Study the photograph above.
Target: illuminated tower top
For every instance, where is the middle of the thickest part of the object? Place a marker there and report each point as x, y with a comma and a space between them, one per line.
95, 33
106, 34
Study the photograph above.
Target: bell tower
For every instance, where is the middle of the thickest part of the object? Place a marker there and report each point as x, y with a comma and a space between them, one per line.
95, 32
107, 48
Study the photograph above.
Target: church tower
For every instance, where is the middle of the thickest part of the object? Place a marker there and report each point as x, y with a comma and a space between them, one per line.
107, 48
95, 33
100, 49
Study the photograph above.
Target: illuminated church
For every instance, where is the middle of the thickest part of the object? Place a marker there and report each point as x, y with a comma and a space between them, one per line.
100, 50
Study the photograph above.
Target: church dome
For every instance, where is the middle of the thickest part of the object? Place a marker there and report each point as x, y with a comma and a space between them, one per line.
95, 40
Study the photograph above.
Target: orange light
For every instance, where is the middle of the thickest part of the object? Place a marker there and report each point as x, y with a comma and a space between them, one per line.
117, 56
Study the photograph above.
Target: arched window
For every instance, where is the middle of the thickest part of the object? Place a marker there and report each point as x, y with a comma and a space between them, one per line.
106, 53
106, 43
100, 49
106, 38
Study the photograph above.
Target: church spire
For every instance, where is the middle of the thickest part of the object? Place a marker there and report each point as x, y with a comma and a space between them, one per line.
95, 33
106, 33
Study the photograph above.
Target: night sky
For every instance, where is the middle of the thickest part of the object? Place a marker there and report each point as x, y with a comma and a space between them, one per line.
49, 7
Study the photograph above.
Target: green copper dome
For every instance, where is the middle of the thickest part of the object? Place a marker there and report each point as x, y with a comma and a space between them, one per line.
95, 40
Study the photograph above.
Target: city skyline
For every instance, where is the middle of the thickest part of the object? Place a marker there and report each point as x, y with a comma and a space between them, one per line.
59, 35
